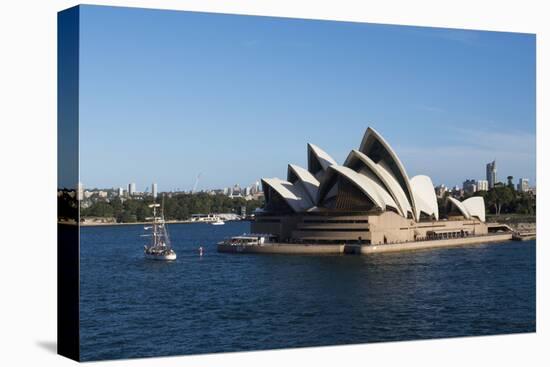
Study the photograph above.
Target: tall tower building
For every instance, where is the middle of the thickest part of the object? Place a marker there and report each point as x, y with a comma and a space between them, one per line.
482, 185
154, 190
131, 189
257, 186
469, 186
492, 174
523, 185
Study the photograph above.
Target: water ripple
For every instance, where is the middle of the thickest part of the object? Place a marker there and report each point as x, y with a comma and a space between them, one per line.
131, 307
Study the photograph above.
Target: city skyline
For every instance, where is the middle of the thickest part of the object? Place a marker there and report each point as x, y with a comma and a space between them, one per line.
520, 181
154, 108
480, 184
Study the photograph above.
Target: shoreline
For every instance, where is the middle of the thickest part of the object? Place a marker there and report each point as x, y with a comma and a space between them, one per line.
99, 224
339, 249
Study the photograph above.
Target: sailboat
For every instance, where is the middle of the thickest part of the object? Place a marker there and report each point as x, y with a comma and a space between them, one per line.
160, 247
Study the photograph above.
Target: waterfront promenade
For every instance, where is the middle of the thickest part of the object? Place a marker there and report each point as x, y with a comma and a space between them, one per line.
335, 249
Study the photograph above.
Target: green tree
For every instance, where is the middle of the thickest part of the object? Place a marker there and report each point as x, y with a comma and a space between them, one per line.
177, 207
498, 197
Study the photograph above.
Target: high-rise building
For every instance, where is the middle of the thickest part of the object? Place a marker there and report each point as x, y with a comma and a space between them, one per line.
131, 189
523, 184
154, 190
120, 192
492, 174
482, 185
469, 186
236, 189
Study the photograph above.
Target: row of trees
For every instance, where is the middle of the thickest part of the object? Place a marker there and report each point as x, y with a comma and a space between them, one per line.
505, 200
501, 199
177, 207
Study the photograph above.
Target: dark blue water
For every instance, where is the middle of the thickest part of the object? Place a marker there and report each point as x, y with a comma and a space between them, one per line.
131, 307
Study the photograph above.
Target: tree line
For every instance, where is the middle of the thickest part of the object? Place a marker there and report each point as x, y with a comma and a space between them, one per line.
502, 199
176, 207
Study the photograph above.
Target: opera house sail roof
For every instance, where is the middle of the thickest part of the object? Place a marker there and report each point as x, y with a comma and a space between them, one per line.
372, 179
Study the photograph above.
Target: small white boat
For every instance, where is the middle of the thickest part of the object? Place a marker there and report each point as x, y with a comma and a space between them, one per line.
159, 248
246, 241
219, 222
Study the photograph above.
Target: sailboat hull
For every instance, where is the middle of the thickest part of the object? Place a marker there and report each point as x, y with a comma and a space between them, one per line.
165, 257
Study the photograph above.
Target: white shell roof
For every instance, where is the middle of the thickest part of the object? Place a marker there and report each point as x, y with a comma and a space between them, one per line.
294, 195
388, 182
395, 188
385, 182
306, 179
460, 207
366, 185
476, 207
380, 189
472, 207
373, 134
325, 160
424, 196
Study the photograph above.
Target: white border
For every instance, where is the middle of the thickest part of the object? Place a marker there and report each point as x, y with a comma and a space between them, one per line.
28, 181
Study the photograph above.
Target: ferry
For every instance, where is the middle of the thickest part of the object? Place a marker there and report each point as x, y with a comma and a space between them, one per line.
240, 243
205, 218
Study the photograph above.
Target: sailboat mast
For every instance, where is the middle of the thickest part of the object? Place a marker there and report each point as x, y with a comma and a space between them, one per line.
165, 238
155, 228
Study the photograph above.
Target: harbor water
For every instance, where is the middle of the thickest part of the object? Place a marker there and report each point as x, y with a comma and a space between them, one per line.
133, 307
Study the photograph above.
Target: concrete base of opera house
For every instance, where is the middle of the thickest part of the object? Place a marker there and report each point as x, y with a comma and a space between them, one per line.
335, 249
284, 248
452, 242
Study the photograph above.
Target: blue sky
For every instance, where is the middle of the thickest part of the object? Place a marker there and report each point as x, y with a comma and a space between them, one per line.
166, 95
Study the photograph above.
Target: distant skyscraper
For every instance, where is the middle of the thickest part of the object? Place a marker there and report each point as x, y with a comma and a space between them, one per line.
469, 186
154, 189
236, 189
482, 185
492, 174
523, 185
131, 189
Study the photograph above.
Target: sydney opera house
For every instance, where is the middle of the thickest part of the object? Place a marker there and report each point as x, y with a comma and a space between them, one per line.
369, 199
